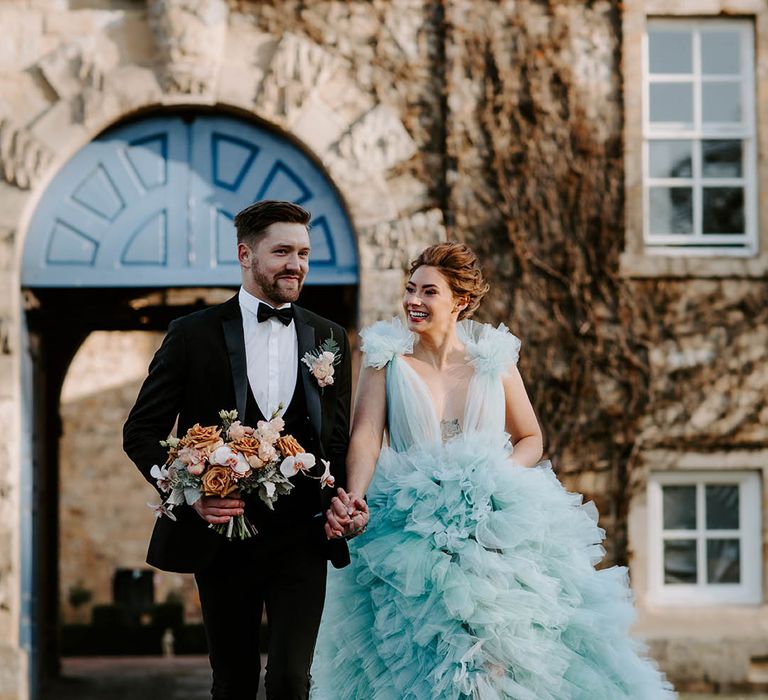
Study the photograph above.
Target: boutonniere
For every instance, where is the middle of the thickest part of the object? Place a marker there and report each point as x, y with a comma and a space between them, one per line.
321, 361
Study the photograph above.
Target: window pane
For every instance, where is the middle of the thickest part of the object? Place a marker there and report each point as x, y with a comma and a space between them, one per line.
723, 561
670, 52
720, 52
722, 506
671, 102
721, 158
670, 158
721, 102
679, 561
679, 506
723, 210
671, 209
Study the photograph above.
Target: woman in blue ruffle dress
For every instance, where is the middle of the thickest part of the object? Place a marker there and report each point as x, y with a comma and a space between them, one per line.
475, 577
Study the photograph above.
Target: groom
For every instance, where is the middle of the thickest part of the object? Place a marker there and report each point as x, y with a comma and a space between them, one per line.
246, 354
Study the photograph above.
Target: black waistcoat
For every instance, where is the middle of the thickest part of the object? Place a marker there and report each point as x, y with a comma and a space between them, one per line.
298, 508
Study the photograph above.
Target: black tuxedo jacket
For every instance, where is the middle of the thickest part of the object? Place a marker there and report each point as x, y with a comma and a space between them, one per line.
201, 369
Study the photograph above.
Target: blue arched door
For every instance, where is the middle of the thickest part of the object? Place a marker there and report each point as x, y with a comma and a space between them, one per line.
151, 203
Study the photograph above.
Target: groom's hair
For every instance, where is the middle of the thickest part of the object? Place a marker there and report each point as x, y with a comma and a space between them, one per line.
252, 221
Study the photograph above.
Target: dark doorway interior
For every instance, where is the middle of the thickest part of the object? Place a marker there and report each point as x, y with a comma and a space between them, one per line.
59, 320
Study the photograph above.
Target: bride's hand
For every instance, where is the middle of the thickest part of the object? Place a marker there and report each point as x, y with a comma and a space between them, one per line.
347, 516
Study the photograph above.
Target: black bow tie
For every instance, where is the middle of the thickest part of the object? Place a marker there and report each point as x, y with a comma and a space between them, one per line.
284, 315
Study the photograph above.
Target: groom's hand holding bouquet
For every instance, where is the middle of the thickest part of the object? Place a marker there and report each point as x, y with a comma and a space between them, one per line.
211, 467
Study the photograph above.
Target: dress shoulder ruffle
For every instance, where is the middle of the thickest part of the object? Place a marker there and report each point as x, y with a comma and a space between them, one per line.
490, 350
383, 340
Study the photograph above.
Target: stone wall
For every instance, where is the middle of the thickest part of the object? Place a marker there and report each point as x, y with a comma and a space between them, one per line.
105, 523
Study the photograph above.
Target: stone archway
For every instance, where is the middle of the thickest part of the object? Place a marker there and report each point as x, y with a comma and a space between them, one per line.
287, 81
150, 204
145, 209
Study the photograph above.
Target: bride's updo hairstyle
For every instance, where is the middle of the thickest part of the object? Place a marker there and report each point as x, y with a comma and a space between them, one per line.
459, 265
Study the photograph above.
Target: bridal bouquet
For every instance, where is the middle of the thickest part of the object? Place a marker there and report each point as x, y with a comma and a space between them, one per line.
232, 460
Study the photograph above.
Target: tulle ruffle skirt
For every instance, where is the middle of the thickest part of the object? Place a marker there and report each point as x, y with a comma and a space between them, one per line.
476, 579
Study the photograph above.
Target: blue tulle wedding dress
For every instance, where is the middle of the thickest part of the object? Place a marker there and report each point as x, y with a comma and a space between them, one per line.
475, 578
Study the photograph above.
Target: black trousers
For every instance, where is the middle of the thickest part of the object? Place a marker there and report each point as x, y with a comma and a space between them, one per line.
285, 572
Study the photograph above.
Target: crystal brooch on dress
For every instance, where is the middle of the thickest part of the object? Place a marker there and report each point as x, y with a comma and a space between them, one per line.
449, 429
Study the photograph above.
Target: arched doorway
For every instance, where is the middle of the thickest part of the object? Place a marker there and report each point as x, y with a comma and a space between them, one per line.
135, 230
151, 203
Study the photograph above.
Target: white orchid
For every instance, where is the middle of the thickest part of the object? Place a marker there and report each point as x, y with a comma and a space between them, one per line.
163, 476
241, 467
223, 456
301, 462
161, 510
327, 479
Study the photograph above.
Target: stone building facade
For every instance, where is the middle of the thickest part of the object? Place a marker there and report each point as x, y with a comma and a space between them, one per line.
541, 133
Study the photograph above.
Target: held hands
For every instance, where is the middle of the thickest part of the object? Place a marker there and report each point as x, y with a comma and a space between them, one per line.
347, 517
218, 511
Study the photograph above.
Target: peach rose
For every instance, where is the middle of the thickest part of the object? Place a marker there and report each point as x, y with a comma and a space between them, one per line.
203, 438
289, 446
321, 371
245, 445
218, 481
321, 366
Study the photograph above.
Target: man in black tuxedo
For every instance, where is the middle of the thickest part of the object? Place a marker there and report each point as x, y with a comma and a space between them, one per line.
246, 354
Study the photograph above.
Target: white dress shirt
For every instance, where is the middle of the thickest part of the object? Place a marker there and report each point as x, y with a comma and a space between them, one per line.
272, 356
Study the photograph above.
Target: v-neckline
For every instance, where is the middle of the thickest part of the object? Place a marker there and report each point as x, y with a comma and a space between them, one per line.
431, 397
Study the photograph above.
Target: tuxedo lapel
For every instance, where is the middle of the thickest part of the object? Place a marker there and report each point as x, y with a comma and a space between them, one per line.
307, 342
232, 322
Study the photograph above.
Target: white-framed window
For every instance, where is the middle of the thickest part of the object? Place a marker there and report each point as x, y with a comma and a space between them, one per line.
705, 543
699, 143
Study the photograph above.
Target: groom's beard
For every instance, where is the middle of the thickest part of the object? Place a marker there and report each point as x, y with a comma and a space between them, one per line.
275, 288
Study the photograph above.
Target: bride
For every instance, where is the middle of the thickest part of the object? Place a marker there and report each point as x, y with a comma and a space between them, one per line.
475, 578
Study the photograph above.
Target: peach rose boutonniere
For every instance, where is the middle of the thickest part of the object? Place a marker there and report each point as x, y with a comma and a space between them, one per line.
322, 360
231, 460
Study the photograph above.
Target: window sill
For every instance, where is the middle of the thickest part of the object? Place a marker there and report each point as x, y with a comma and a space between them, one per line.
667, 263
686, 621
695, 597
